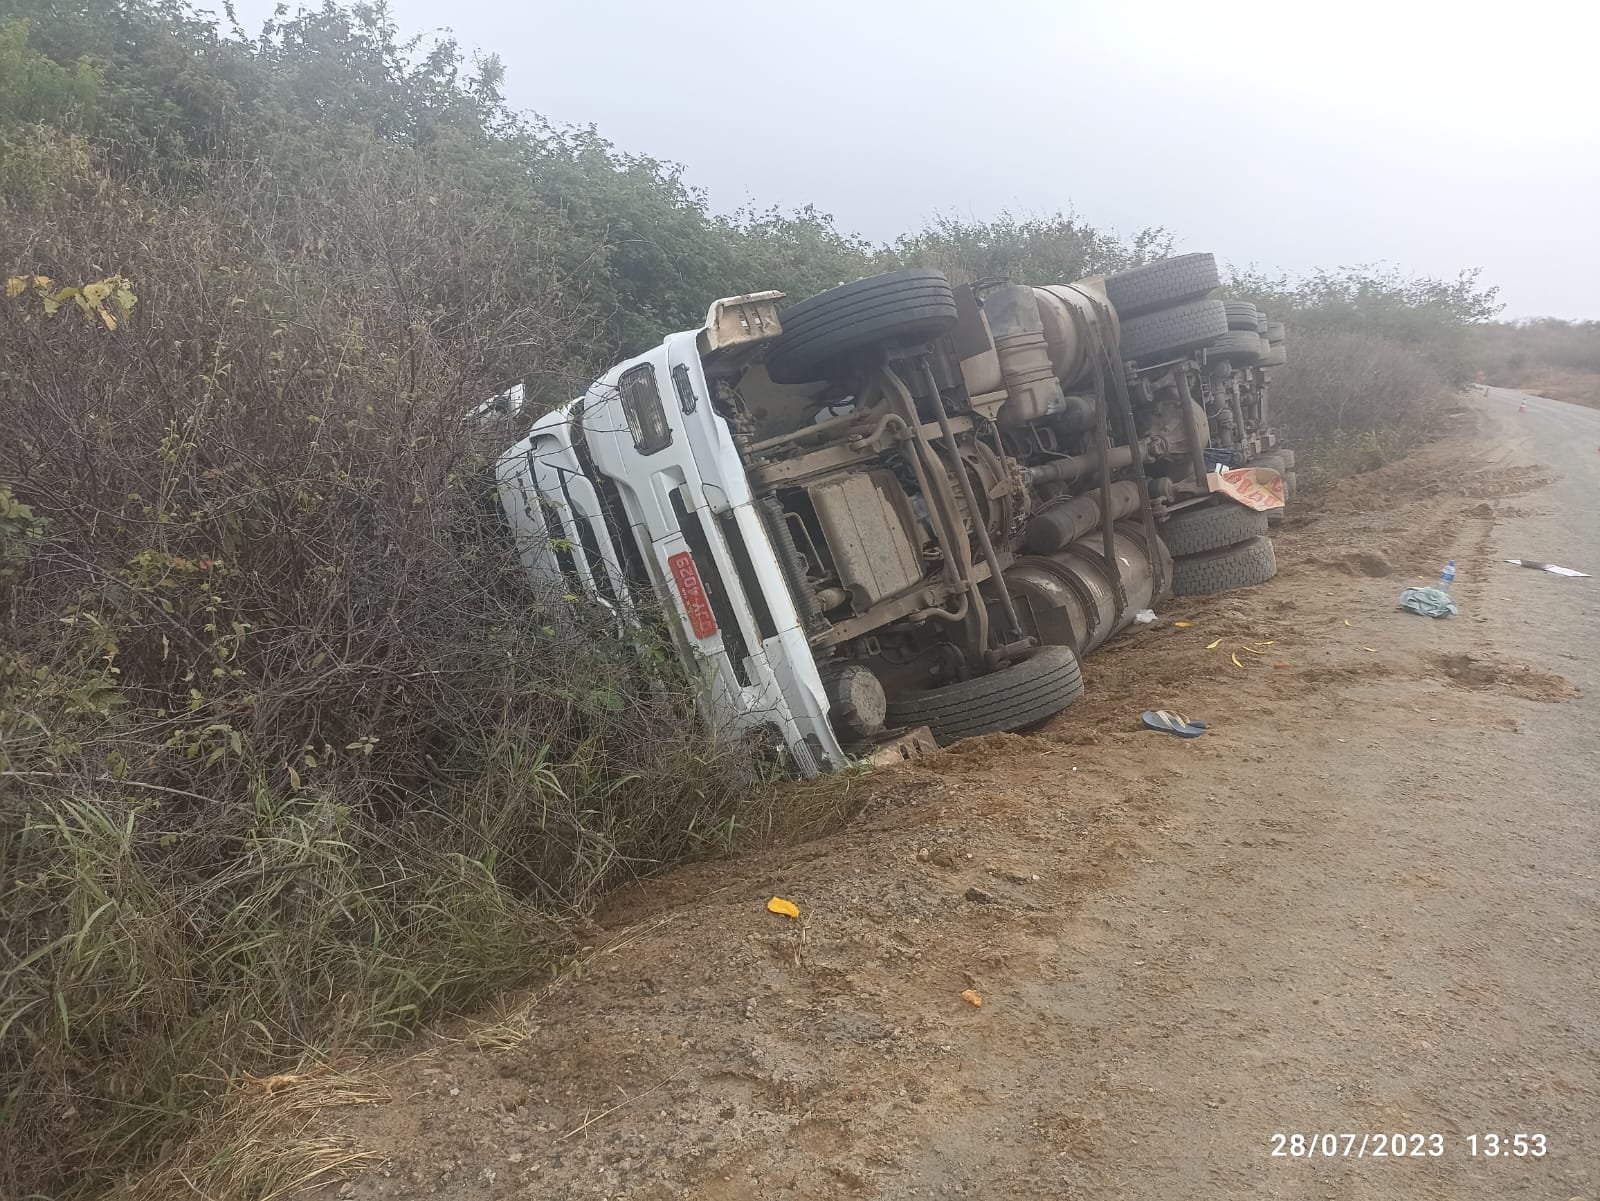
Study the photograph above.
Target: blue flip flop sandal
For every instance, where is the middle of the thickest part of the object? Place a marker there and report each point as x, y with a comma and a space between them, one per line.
1172, 723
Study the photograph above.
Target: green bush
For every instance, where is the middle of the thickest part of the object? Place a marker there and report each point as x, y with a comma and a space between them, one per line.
1352, 401
290, 756
1512, 353
1032, 248
1431, 317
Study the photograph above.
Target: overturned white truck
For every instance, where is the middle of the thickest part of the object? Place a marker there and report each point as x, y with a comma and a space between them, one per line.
901, 504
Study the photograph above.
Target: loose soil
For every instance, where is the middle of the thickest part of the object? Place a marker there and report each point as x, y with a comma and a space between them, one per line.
1363, 901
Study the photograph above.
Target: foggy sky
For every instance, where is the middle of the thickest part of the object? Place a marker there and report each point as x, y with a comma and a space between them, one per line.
1426, 136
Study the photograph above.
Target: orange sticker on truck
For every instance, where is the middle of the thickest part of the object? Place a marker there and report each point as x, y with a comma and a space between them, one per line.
693, 594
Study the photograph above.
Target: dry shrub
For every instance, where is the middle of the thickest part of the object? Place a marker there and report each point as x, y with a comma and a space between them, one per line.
1574, 387
290, 758
1515, 353
1353, 400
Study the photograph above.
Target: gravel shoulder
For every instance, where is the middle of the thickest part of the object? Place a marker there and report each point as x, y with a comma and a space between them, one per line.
1363, 902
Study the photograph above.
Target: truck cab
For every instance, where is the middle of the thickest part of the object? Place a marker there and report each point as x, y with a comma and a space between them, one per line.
639, 478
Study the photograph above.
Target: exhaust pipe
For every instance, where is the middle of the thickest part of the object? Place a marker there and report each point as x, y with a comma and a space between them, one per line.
1065, 521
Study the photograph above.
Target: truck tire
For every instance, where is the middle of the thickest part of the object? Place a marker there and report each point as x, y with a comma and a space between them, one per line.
1241, 315
1210, 527
1243, 565
1016, 696
1162, 284
1261, 325
1174, 331
1275, 331
1237, 346
1275, 357
901, 306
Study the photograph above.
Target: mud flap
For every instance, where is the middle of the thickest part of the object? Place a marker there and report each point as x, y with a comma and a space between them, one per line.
913, 744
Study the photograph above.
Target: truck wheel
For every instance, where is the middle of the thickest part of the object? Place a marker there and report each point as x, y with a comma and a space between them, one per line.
1174, 331
1275, 331
901, 306
1209, 527
1016, 696
1162, 284
1242, 566
1237, 346
1261, 325
1275, 357
1241, 315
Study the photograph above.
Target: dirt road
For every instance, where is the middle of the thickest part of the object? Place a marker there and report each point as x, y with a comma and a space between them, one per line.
1364, 902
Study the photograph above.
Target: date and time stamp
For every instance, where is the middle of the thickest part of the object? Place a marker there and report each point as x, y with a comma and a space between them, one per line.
1402, 1146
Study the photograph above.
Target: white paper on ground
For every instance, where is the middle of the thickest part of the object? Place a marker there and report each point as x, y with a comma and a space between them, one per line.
1550, 567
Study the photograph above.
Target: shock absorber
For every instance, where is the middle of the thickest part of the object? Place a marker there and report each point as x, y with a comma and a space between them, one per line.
793, 565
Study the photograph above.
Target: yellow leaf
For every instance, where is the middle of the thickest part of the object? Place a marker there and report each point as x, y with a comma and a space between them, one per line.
105, 315
971, 997
1346, 621
294, 778
15, 286
95, 294
1235, 659
787, 908
1211, 646
124, 295
1252, 650
1183, 625
1370, 649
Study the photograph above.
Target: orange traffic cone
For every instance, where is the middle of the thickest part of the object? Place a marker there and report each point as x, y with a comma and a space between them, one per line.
1523, 407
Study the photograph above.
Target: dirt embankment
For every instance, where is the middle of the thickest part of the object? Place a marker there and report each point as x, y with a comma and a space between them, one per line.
1297, 921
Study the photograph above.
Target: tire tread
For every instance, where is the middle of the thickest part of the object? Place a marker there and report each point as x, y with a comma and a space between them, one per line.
1220, 524
1243, 565
1050, 680
1162, 284
1175, 330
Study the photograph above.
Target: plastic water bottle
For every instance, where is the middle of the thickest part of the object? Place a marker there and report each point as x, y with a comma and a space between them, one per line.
1447, 576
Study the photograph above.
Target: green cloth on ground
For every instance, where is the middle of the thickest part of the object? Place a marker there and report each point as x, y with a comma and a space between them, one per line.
1430, 602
